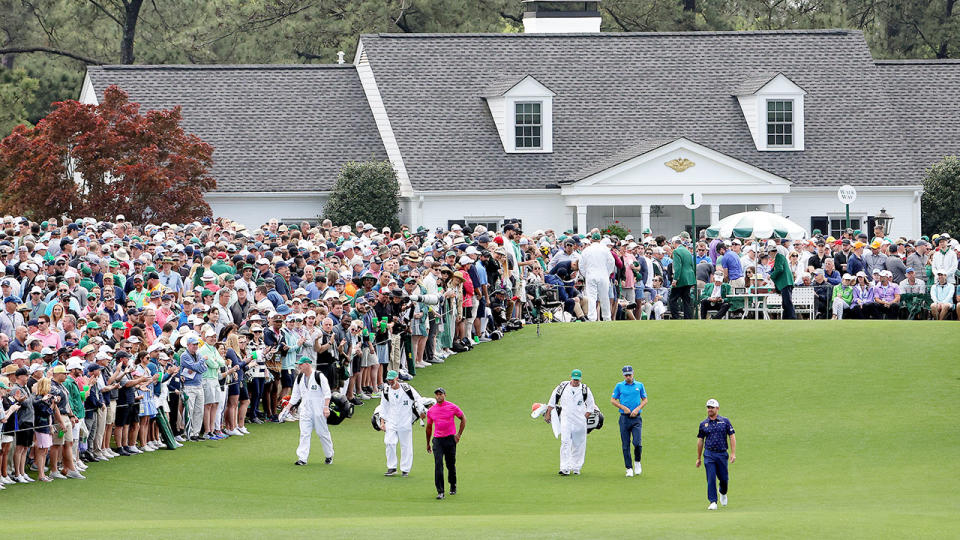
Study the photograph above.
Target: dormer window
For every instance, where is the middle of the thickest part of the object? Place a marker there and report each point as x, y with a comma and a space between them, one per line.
528, 125
772, 106
522, 111
780, 123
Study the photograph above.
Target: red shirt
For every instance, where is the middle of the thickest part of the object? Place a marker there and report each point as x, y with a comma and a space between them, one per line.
441, 415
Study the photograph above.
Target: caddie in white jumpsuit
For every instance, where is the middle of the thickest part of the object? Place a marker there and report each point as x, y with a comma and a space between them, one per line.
574, 410
396, 421
313, 397
596, 265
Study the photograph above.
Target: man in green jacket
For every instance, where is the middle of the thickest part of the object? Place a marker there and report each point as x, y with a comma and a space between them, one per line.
714, 297
684, 278
782, 279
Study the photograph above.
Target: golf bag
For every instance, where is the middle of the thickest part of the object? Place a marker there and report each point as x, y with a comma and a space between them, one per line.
340, 409
595, 421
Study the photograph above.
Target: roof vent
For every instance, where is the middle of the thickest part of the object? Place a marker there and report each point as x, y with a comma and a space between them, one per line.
340, 57
561, 16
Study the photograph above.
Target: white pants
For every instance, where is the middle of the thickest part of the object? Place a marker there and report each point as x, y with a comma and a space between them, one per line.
311, 421
657, 308
573, 444
839, 304
598, 289
405, 437
221, 404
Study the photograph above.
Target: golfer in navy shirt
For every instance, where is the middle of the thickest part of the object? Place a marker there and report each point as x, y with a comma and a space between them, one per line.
630, 397
712, 444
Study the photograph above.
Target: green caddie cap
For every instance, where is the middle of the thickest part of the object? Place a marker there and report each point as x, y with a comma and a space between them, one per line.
304, 360
576, 375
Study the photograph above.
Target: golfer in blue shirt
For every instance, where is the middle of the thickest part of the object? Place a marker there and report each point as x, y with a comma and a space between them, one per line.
630, 397
712, 444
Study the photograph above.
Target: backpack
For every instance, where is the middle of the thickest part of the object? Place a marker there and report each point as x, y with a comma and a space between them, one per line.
560, 390
316, 378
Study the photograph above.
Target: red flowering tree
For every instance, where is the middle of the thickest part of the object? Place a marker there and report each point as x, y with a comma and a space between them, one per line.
101, 160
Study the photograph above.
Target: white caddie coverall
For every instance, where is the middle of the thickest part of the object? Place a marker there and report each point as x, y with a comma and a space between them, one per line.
596, 265
312, 398
573, 424
396, 411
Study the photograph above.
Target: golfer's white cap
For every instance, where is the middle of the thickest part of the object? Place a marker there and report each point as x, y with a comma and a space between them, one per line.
712, 403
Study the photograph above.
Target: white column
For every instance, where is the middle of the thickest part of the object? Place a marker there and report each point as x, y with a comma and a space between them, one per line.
581, 219
714, 213
778, 208
644, 216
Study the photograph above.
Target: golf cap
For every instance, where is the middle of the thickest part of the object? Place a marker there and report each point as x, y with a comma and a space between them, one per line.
391, 375
910, 271
712, 403
627, 370
576, 375
59, 369
192, 340
303, 360
440, 390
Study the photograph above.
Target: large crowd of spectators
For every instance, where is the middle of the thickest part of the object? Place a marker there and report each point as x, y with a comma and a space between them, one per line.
118, 338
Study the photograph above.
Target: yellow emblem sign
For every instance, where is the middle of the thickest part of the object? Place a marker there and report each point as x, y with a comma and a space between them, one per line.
680, 164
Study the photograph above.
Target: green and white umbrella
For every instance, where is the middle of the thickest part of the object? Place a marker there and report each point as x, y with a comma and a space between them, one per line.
756, 225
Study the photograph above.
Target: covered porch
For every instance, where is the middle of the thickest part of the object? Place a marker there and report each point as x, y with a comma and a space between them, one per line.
645, 186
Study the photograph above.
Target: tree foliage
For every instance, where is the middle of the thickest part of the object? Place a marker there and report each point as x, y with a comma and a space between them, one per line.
940, 204
365, 191
18, 91
100, 160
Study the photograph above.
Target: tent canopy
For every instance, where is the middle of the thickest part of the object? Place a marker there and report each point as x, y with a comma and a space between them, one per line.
756, 225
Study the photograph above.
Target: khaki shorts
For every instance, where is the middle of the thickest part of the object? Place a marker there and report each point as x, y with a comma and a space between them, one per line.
211, 391
67, 433
368, 358
111, 413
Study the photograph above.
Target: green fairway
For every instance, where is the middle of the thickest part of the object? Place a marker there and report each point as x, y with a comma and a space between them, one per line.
843, 430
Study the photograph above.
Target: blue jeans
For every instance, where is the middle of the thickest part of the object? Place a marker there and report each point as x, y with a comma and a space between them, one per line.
630, 426
715, 463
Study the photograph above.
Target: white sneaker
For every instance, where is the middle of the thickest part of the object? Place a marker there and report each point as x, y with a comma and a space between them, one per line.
6, 480
723, 500
77, 475
244, 430
637, 469
23, 479
56, 474
148, 448
81, 466
233, 432
713, 506
629, 473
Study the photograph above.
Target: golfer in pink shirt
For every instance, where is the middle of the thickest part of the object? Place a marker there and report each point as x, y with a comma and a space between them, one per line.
441, 428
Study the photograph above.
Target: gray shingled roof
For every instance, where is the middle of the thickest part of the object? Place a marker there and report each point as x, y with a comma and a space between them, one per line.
617, 89
925, 95
273, 128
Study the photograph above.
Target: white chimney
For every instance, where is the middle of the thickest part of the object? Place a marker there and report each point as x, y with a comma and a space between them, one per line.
561, 16
340, 59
